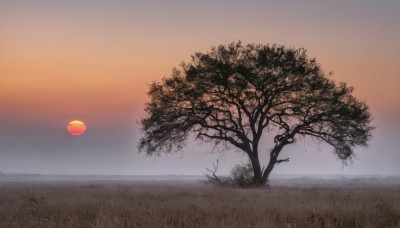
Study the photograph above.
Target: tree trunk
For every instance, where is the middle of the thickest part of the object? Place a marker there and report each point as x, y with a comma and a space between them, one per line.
267, 171
261, 177
272, 161
258, 178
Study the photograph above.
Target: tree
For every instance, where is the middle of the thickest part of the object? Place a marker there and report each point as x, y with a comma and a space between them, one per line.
235, 93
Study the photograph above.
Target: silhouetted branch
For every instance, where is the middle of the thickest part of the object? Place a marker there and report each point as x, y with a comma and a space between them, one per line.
214, 179
282, 160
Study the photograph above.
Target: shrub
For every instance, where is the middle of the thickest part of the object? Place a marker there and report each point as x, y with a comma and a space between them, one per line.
242, 175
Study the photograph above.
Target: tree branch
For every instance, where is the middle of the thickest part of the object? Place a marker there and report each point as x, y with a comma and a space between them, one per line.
282, 160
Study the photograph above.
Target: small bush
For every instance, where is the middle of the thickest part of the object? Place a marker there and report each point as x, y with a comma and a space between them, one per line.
242, 175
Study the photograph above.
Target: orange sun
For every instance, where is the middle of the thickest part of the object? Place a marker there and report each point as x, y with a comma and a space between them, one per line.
76, 127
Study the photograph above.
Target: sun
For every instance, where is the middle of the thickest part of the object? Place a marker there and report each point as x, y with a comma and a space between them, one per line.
76, 127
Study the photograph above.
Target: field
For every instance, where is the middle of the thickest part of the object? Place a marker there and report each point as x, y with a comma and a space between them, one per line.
124, 204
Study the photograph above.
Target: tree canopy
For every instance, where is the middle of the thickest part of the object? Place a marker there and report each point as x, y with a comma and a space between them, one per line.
235, 93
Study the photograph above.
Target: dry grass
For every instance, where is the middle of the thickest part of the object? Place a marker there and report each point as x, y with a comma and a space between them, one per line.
140, 205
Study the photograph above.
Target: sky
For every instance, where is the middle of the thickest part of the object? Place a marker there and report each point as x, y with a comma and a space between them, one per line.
93, 61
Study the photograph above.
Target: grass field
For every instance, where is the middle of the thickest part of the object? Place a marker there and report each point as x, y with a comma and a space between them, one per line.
119, 204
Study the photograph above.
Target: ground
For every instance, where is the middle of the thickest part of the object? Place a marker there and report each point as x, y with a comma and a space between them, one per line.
125, 204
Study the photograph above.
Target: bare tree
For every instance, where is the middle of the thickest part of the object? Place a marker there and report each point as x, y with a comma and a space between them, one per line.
235, 93
213, 178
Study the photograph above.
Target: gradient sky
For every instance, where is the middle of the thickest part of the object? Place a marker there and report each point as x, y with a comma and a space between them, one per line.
93, 61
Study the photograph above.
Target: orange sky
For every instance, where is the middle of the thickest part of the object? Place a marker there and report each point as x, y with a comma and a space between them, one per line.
87, 61
93, 60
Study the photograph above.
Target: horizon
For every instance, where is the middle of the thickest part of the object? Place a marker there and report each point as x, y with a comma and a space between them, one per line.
203, 175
